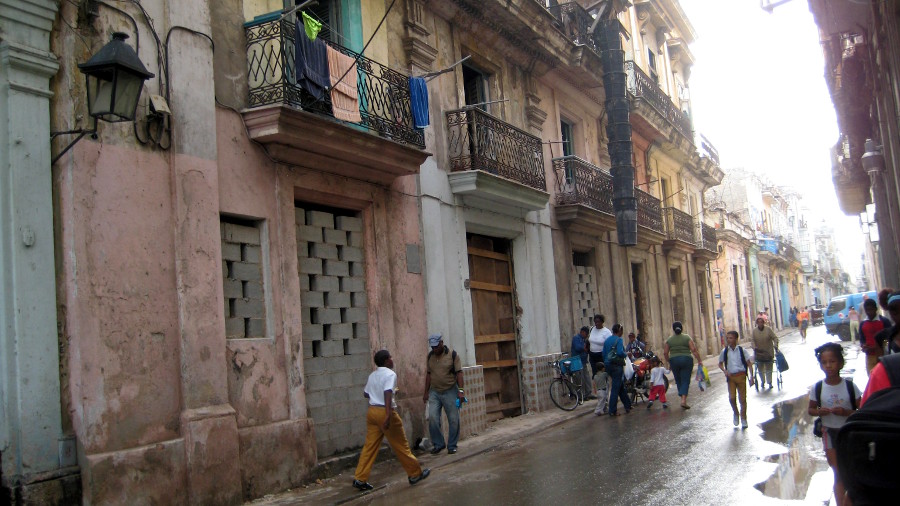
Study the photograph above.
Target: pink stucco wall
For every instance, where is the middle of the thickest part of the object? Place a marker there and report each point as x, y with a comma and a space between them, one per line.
137, 236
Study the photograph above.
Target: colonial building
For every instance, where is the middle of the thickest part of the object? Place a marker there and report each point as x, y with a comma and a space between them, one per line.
192, 296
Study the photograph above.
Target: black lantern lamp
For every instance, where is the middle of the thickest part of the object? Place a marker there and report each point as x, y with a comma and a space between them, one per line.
115, 77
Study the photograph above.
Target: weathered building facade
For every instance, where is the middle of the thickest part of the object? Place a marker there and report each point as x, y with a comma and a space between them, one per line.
216, 274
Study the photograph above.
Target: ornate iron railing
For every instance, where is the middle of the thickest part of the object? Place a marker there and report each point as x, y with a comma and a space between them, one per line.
384, 103
579, 182
575, 22
679, 225
640, 85
706, 238
479, 141
649, 211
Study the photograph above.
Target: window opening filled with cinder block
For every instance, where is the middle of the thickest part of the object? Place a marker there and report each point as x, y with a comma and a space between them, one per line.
243, 277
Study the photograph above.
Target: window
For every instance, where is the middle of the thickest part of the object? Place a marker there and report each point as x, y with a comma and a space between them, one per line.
651, 65
664, 185
328, 12
243, 259
475, 87
566, 136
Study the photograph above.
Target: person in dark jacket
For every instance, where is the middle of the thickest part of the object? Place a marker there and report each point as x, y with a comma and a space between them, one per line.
579, 349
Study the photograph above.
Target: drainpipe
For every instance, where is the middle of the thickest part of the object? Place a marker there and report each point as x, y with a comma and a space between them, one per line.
618, 130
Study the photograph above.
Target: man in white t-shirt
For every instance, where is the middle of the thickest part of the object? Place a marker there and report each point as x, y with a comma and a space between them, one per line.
383, 421
597, 337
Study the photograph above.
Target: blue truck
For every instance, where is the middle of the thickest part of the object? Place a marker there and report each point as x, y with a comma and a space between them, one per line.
837, 323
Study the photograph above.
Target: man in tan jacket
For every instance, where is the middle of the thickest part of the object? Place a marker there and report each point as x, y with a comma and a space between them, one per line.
765, 342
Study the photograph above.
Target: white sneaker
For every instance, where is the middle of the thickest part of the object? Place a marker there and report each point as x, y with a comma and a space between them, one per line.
737, 420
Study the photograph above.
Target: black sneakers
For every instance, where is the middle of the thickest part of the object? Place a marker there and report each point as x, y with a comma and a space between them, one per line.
417, 479
362, 485
435, 451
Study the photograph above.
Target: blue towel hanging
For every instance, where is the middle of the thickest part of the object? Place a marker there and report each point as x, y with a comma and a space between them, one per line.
418, 99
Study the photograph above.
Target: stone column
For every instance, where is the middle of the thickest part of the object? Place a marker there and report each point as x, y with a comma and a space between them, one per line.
209, 423
36, 462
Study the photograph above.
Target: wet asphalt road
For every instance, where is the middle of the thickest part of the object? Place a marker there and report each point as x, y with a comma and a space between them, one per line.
676, 456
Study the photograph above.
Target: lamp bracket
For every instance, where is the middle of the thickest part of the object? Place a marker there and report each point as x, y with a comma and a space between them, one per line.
81, 133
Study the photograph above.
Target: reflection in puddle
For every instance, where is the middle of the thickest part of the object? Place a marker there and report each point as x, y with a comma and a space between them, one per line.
792, 427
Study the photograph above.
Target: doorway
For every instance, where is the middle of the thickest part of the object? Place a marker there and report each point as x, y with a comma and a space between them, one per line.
637, 289
494, 321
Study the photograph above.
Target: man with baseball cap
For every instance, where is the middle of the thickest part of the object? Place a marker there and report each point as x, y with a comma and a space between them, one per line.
443, 386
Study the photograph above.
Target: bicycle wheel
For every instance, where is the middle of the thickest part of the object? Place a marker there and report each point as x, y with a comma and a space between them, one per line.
564, 394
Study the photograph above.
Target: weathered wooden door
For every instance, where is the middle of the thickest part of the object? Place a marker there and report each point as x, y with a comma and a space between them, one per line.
493, 315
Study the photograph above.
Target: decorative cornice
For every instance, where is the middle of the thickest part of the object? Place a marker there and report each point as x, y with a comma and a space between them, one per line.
19, 17
419, 53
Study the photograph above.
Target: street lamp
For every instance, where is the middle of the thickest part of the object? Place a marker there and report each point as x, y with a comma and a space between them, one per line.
115, 77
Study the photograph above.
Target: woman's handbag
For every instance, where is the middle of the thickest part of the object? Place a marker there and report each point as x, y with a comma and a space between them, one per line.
817, 427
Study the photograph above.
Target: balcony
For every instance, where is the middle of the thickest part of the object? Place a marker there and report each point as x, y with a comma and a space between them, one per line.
298, 129
575, 22
583, 196
494, 162
649, 218
707, 244
710, 170
663, 114
679, 231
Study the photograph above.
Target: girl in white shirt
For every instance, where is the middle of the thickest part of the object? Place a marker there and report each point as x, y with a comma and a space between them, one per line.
658, 383
834, 405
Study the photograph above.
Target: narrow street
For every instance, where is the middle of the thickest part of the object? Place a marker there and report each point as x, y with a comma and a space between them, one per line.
675, 456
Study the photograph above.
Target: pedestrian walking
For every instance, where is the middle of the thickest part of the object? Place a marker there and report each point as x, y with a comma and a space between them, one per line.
832, 400
737, 365
601, 384
579, 349
614, 361
657, 383
678, 350
765, 342
596, 339
383, 421
853, 316
869, 328
803, 321
443, 387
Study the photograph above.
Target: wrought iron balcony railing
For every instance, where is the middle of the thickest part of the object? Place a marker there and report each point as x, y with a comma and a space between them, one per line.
679, 225
575, 23
649, 211
642, 86
384, 103
706, 238
579, 182
479, 141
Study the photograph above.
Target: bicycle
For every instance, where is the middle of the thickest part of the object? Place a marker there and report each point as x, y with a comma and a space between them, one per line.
565, 389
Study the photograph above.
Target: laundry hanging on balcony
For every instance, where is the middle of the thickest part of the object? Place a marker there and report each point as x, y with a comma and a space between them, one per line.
344, 94
311, 63
418, 101
311, 26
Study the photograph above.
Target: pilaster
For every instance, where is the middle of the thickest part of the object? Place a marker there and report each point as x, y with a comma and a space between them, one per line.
35, 460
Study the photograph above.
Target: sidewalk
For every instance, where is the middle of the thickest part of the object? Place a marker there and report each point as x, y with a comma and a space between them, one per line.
388, 473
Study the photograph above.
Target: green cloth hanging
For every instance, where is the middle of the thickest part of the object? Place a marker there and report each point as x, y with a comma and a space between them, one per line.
311, 26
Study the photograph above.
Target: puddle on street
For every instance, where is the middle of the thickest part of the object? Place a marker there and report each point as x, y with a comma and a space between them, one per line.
791, 426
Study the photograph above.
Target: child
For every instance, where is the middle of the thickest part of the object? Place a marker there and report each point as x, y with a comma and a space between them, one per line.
833, 400
737, 364
658, 382
601, 382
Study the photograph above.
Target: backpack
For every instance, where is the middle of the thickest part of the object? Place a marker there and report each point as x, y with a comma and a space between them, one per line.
740, 351
868, 445
817, 426
453, 370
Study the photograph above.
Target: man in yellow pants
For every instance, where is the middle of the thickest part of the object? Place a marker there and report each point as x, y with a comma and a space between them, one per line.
382, 421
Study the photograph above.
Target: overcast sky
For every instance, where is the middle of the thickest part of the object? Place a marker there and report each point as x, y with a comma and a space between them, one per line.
757, 93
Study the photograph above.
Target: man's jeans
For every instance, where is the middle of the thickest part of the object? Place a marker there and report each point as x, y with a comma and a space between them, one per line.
617, 391
447, 400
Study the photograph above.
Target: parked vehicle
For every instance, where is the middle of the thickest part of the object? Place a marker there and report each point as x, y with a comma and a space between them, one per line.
837, 323
817, 315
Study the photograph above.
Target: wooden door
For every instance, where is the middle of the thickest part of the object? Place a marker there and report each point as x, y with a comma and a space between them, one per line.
493, 316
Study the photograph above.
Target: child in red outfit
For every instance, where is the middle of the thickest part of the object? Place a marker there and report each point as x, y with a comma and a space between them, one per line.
658, 382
